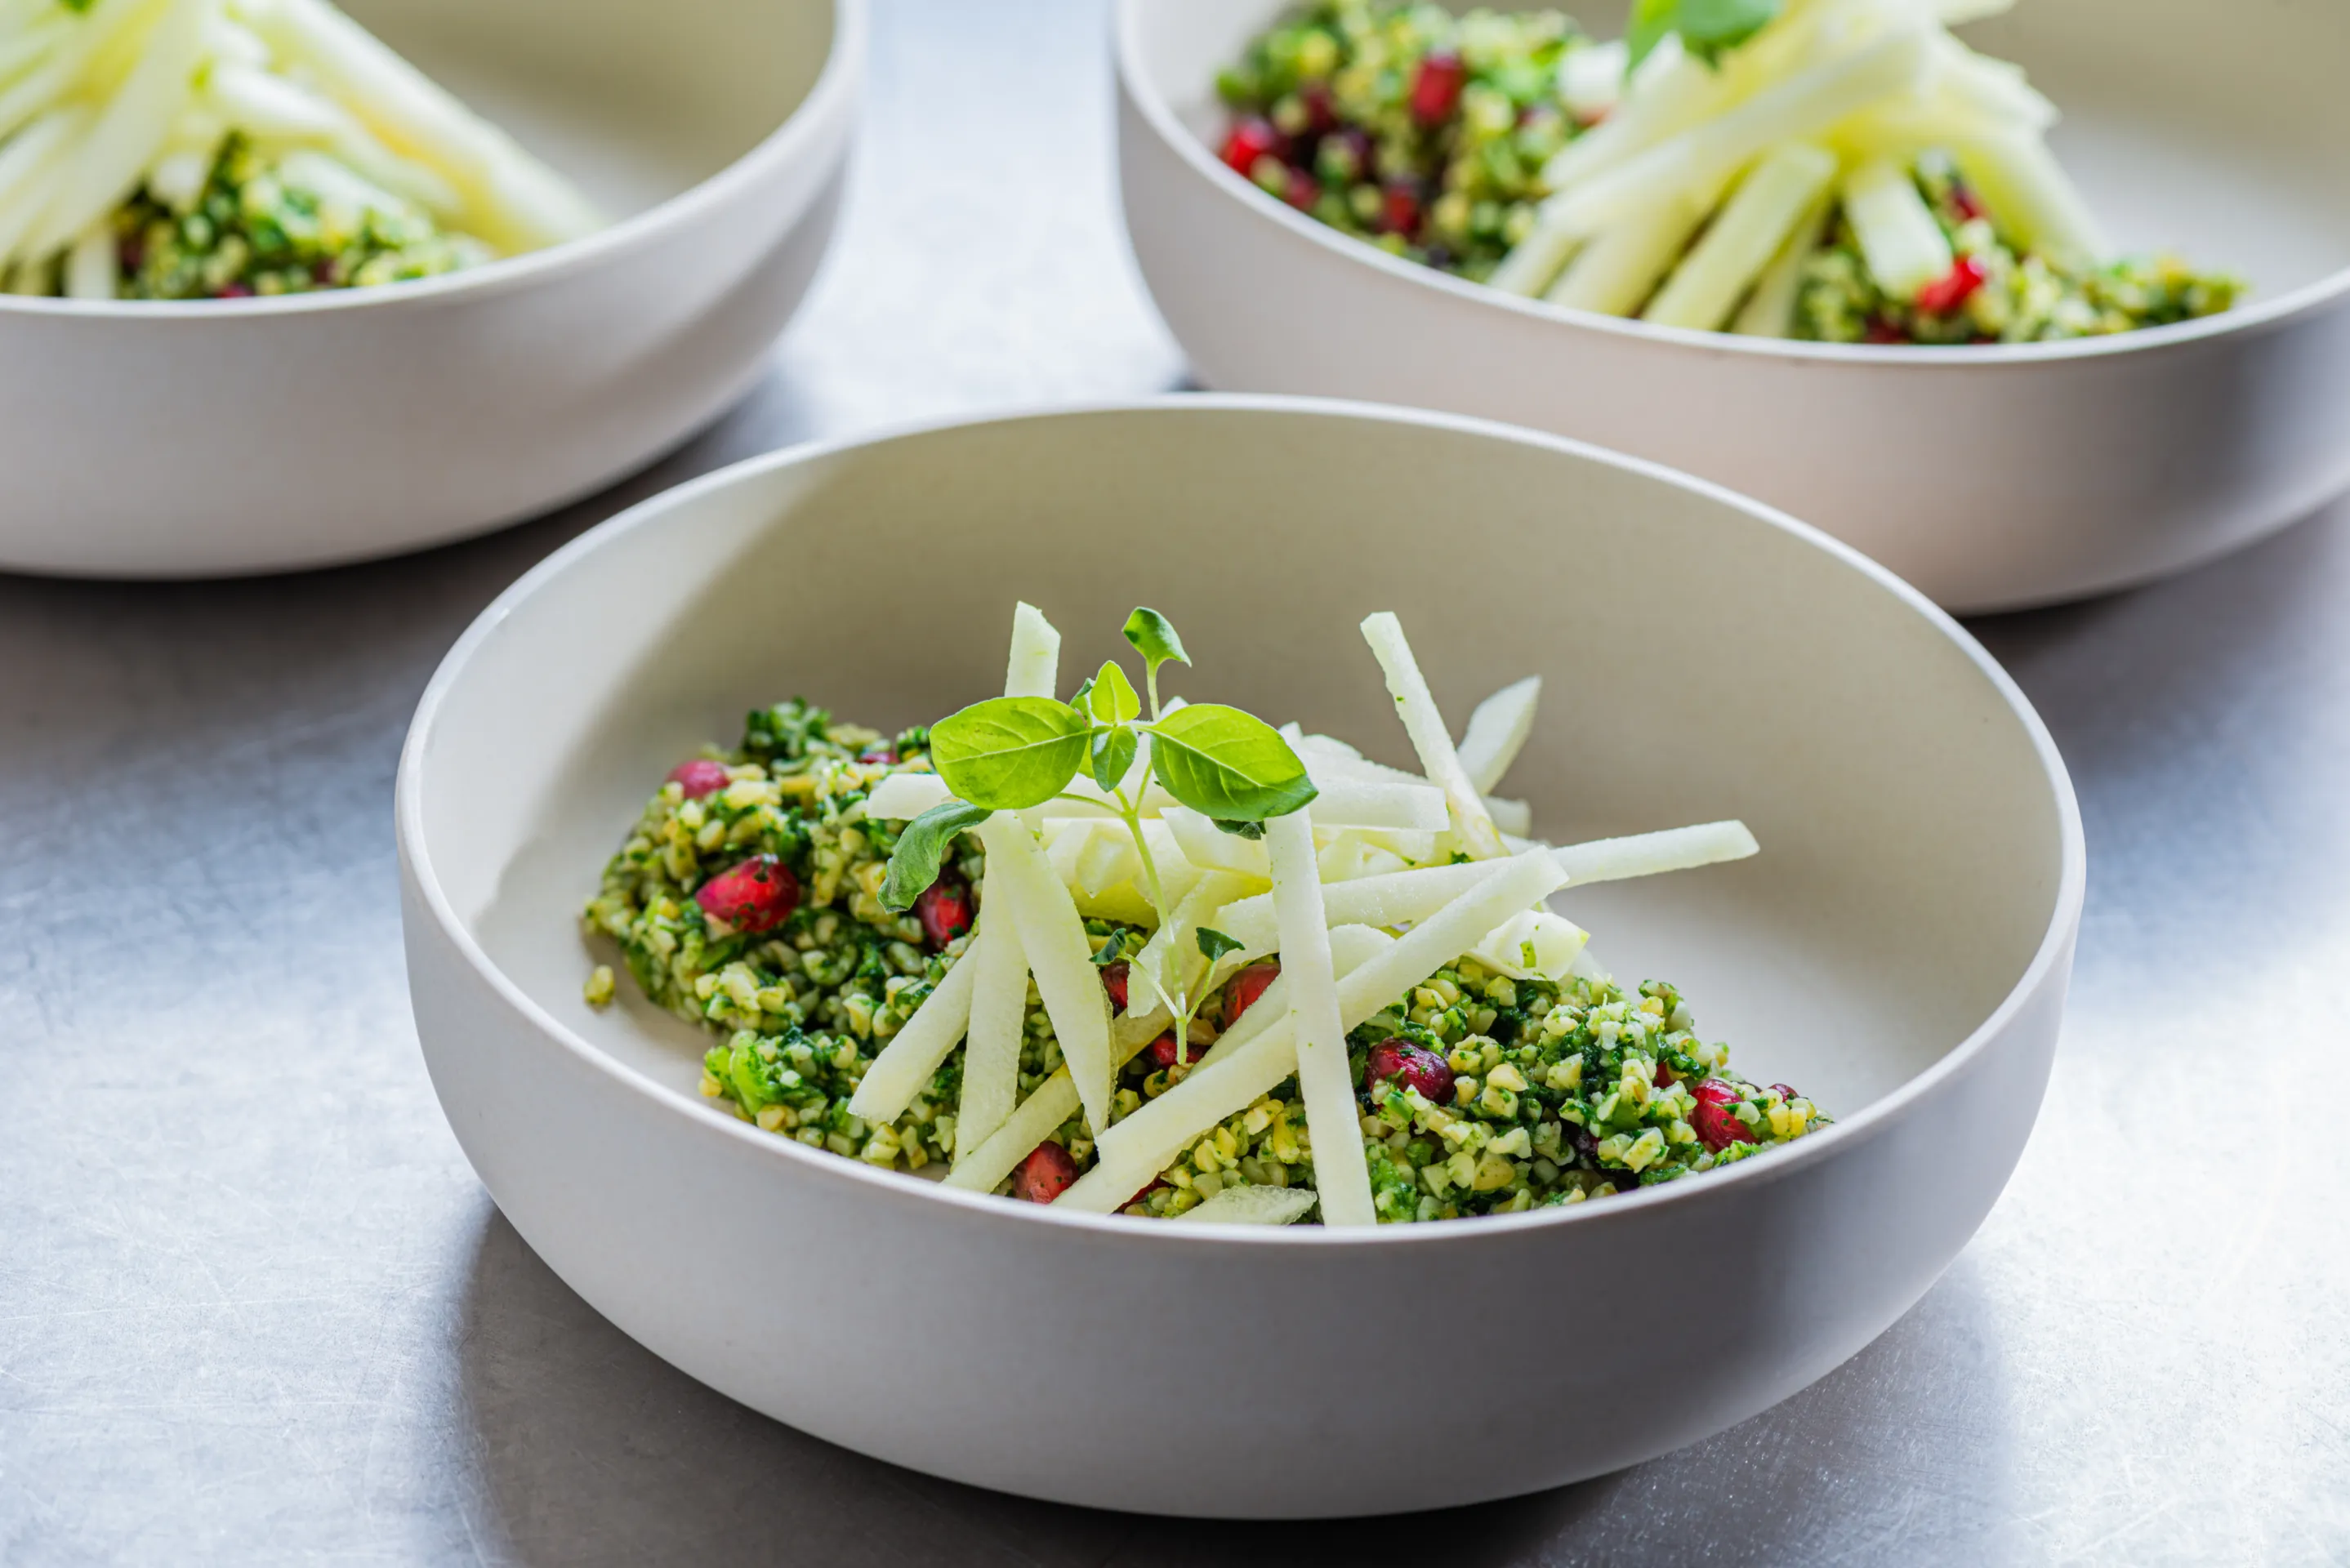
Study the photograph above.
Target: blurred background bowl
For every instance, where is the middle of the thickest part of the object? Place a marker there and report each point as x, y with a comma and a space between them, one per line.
1992, 477
216, 436
1900, 949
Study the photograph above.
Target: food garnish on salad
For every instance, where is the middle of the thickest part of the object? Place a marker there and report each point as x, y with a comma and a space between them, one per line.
224, 149
1129, 954
1839, 171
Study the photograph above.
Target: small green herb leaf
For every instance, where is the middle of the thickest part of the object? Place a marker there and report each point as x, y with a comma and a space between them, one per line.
1113, 754
1107, 954
1009, 753
922, 849
1708, 28
1081, 698
1214, 944
1154, 636
1228, 764
1109, 696
1240, 829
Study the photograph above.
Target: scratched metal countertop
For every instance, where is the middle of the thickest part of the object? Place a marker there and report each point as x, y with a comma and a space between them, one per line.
255, 1308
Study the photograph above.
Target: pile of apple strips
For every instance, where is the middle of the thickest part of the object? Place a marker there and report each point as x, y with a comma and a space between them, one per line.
1833, 103
1359, 894
100, 98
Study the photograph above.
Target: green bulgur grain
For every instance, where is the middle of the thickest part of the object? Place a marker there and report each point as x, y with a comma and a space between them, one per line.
1563, 1093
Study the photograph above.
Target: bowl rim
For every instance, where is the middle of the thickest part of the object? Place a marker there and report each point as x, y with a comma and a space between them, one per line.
829, 97
1864, 1125
1136, 88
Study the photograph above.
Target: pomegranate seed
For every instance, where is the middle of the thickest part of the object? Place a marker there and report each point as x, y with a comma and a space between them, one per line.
1250, 139
130, 254
1664, 1076
1401, 215
322, 273
1114, 979
1139, 1196
1363, 153
1321, 111
1242, 990
700, 777
1303, 190
881, 754
1880, 331
1967, 204
233, 291
1436, 88
756, 896
1953, 288
1717, 1126
1785, 1091
1409, 1066
1045, 1175
1162, 1051
944, 910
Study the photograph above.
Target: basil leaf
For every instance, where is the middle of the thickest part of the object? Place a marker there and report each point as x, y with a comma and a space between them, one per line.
1113, 754
1240, 829
1653, 21
1078, 699
1009, 753
1228, 764
1214, 944
1109, 696
1154, 636
1709, 27
922, 849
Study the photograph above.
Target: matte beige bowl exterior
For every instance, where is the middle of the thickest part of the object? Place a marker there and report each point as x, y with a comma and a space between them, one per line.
1159, 1368
1991, 478
204, 439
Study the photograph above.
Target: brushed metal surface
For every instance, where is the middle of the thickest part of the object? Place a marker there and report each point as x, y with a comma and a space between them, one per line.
255, 1307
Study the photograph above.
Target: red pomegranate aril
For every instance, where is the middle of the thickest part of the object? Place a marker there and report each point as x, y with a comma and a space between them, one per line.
883, 756
1114, 979
1953, 288
233, 291
1882, 331
1162, 1051
1145, 1192
699, 777
756, 896
1436, 88
1785, 1091
1967, 204
1242, 990
1321, 110
1401, 214
1249, 140
1408, 1066
1663, 1075
1303, 190
944, 910
1045, 1175
1717, 1125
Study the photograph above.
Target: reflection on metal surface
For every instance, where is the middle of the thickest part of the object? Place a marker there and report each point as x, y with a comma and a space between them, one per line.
253, 1303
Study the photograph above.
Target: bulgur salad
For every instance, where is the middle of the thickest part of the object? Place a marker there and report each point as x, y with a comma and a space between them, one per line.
224, 149
1839, 171
1160, 958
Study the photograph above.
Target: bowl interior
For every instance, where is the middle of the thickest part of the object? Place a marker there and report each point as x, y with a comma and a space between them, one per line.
1701, 659
2203, 127
635, 102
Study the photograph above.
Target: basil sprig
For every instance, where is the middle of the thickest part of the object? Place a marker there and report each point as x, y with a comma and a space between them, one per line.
1010, 753
1708, 27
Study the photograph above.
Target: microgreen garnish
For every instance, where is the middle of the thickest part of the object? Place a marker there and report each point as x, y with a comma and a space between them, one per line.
923, 848
1708, 27
1214, 944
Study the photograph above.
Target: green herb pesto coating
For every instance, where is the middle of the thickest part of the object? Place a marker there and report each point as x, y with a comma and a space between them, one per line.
1562, 1093
254, 231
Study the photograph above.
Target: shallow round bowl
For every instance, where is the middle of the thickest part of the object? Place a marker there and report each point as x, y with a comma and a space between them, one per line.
1992, 477
214, 437
1900, 949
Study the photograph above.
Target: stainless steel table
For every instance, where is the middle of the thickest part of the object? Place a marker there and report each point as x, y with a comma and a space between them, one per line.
255, 1307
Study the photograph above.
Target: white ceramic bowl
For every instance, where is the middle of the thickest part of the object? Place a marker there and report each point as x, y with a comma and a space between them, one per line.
177, 440
1900, 949
1991, 477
